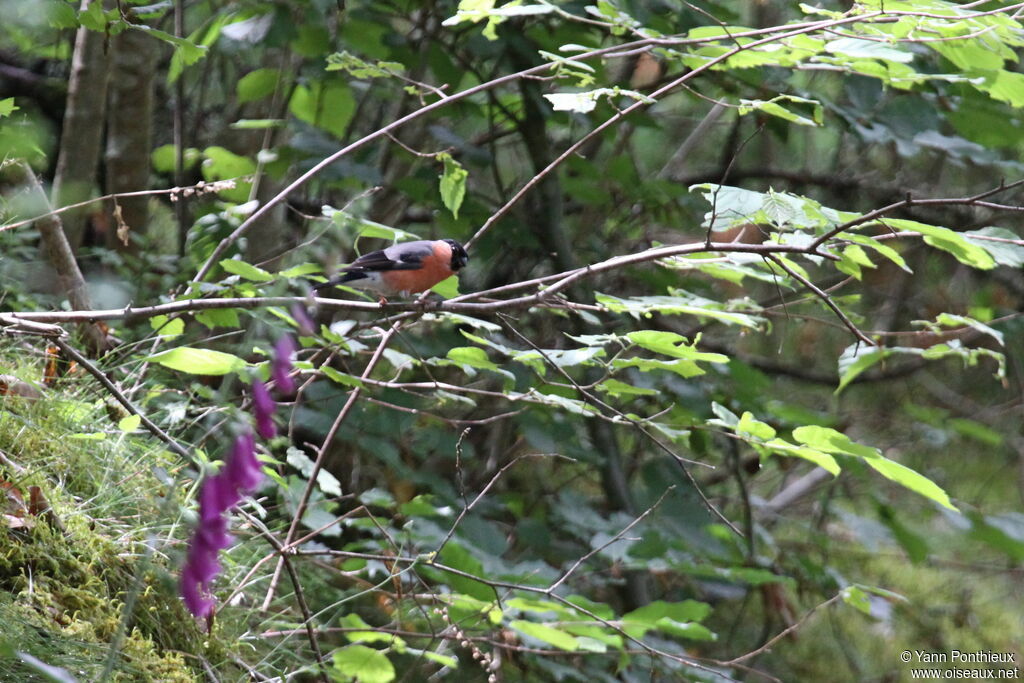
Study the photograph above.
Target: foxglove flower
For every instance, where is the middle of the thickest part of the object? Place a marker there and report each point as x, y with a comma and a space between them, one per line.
305, 323
240, 475
263, 410
281, 366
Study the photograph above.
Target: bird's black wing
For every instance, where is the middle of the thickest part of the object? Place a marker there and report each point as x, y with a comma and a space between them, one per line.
407, 256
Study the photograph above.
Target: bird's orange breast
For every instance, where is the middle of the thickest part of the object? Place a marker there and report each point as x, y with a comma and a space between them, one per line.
436, 267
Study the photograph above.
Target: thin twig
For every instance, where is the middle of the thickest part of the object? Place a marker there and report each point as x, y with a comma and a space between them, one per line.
123, 400
825, 298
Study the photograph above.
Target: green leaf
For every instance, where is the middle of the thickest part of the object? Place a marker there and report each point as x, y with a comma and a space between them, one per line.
957, 244
686, 610
341, 377
753, 427
831, 441
916, 482
883, 249
675, 345
361, 227
858, 47
218, 317
457, 557
358, 68
822, 460
472, 356
7, 106
584, 102
222, 164
453, 183
60, 15
327, 482
198, 361
257, 84
1003, 246
184, 49
681, 303
300, 270
950, 320
166, 327
616, 388
858, 358
857, 598
92, 17
547, 634
675, 618
246, 270
328, 105
361, 663
164, 158
130, 423
774, 108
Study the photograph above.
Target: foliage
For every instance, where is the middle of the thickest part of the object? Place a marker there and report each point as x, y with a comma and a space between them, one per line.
741, 300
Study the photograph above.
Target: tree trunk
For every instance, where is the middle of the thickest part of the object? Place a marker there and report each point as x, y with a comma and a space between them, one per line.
61, 257
129, 131
82, 134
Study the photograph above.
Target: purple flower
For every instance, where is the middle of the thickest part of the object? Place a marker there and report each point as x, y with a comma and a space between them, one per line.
263, 410
281, 367
241, 474
195, 593
302, 320
243, 469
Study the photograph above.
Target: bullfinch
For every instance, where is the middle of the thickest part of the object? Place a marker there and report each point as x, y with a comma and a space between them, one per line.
406, 268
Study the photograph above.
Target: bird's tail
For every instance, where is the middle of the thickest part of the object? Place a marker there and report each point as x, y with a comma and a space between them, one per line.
346, 276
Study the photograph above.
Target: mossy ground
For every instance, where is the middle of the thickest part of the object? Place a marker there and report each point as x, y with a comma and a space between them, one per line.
65, 578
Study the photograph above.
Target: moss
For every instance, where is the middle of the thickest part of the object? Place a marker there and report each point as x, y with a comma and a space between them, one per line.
64, 584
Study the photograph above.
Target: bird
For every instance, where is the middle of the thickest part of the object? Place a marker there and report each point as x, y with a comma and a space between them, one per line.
403, 269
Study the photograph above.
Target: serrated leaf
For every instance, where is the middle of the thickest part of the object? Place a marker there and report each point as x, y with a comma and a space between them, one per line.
453, 183
198, 361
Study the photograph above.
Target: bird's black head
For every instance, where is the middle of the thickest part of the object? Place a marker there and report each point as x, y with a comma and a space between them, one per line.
459, 255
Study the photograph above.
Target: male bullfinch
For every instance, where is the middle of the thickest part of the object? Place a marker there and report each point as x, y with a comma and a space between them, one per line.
406, 268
